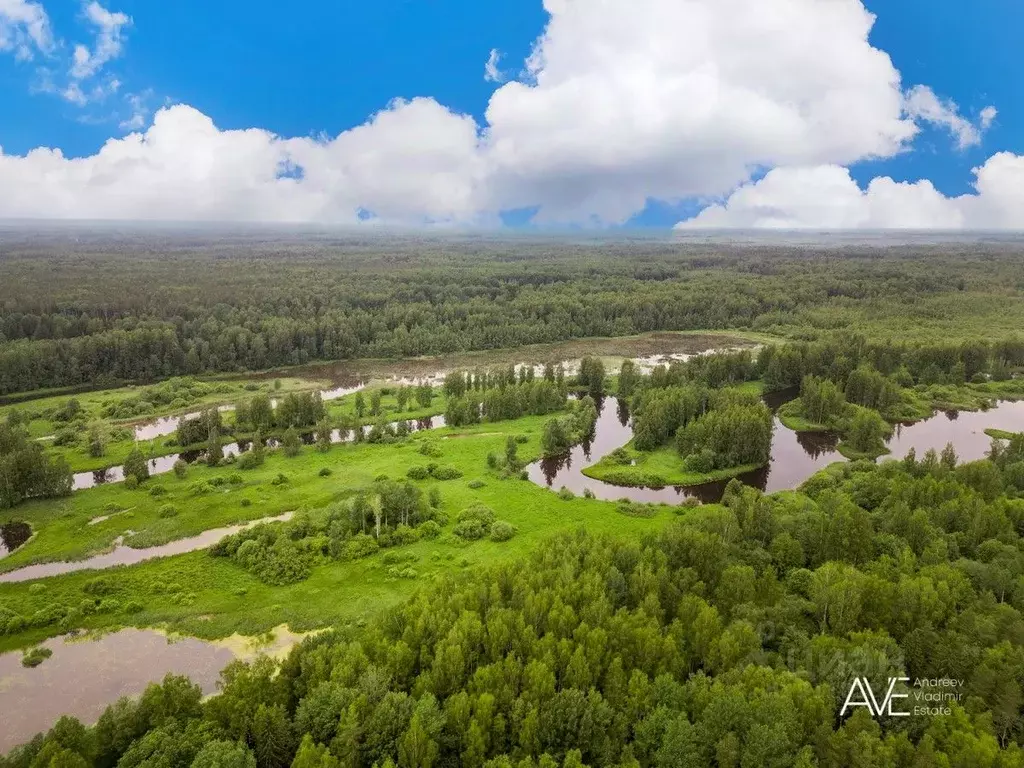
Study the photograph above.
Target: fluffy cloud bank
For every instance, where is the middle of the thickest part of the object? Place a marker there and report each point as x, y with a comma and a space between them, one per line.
826, 197
622, 101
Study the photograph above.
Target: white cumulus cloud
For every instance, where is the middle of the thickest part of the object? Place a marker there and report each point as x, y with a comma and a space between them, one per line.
923, 104
492, 72
24, 28
827, 197
621, 102
415, 159
87, 63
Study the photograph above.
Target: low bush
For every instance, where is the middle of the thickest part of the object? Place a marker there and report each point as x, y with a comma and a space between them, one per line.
417, 473
502, 530
446, 473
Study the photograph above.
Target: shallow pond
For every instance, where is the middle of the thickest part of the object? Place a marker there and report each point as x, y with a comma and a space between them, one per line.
122, 554
86, 674
795, 456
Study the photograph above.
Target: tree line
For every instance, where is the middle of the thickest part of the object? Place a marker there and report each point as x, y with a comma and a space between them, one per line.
96, 318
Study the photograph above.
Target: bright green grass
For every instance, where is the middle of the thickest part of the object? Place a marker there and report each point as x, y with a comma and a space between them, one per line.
209, 597
657, 468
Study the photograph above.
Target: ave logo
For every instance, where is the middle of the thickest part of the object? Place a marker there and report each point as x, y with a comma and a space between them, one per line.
862, 695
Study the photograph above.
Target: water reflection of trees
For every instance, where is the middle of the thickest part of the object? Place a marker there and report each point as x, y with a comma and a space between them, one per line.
552, 465
622, 409
817, 444
13, 535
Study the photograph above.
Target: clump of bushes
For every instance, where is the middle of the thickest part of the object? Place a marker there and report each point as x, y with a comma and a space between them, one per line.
635, 509
418, 473
445, 473
36, 656
249, 460
281, 479
474, 522
157, 490
167, 511
502, 530
430, 448
565, 494
430, 529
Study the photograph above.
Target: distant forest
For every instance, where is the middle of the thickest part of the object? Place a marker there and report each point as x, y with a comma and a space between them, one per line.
102, 310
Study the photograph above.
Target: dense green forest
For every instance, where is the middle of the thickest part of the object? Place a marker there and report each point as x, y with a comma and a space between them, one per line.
471, 615
729, 638
97, 311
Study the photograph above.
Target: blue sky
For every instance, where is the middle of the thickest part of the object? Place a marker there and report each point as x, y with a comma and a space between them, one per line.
326, 68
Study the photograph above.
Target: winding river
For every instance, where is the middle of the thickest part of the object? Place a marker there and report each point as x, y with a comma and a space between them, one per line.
795, 456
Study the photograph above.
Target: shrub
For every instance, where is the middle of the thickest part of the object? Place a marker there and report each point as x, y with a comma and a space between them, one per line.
446, 473
180, 469
633, 509
246, 502
157, 490
131, 482
502, 530
403, 535
134, 607
588, 494
434, 496
359, 546
109, 605
429, 529
235, 479
325, 472
36, 656
167, 511
281, 479
430, 448
619, 456
66, 436
37, 588
249, 460
474, 522
522, 439
565, 494
113, 506
417, 473
200, 488
477, 484
217, 482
